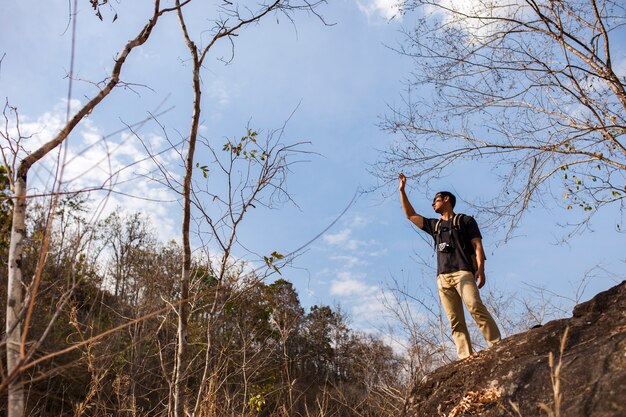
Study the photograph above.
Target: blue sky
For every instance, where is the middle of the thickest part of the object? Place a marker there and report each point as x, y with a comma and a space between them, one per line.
341, 78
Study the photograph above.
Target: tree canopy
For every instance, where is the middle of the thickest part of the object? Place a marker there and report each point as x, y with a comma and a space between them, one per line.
531, 87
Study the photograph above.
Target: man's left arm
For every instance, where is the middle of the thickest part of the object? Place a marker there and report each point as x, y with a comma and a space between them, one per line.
477, 243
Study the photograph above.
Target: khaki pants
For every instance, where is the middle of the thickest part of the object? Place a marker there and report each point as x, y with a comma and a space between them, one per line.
461, 286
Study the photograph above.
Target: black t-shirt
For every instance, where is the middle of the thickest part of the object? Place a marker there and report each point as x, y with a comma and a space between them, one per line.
460, 258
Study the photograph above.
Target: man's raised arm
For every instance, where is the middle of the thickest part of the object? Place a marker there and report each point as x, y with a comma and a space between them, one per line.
409, 211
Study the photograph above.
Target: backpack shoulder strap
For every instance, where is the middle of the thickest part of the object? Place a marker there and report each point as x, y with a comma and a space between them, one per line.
437, 233
457, 224
437, 226
456, 221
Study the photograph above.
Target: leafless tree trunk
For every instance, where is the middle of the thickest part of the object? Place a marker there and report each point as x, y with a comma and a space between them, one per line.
15, 287
16, 352
180, 378
198, 55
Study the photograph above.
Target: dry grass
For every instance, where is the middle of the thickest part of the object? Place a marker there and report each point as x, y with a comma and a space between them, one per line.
474, 401
555, 379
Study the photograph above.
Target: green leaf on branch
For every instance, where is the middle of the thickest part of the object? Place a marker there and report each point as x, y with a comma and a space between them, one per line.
269, 260
204, 168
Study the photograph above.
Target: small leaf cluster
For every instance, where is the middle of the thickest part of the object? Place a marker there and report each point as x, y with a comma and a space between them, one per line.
204, 169
569, 147
573, 189
241, 148
256, 402
269, 260
577, 184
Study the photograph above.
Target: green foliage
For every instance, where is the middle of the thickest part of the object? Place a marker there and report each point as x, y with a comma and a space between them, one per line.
246, 147
589, 189
270, 260
204, 169
256, 402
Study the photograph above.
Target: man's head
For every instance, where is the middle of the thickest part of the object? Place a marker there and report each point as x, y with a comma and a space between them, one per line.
442, 198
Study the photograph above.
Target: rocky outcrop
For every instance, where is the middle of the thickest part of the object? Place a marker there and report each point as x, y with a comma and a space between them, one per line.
516, 377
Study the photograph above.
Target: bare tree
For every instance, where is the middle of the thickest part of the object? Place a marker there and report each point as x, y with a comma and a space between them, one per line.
530, 86
231, 21
17, 311
251, 172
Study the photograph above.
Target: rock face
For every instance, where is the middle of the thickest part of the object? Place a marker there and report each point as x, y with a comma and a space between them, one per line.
514, 377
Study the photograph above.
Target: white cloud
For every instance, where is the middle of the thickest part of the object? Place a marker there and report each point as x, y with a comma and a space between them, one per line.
337, 238
359, 221
349, 261
342, 239
348, 283
371, 309
476, 17
347, 287
386, 9
119, 163
368, 309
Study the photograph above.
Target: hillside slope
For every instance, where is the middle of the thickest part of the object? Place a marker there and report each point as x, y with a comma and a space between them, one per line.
516, 372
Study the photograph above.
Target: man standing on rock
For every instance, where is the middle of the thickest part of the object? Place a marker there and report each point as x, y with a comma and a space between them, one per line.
460, 267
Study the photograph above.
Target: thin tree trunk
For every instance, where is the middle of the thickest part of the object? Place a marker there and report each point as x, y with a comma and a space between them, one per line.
183, 311
14, 301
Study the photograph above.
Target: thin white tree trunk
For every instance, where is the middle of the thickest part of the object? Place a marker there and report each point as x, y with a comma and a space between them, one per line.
14, 301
